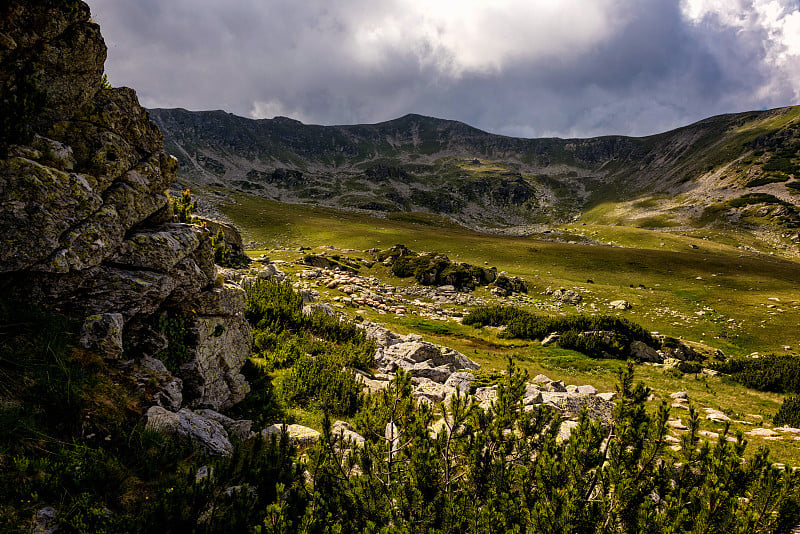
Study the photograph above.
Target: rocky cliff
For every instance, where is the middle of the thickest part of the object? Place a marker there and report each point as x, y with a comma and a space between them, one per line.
86, 222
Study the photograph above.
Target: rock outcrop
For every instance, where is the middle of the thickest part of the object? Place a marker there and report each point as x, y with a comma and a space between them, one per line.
87, 224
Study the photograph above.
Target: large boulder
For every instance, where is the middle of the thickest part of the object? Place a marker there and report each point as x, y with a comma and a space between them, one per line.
207, 434
423, 359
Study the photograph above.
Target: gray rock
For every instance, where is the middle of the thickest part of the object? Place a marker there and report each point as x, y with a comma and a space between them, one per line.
460, 380
587, 390
409, 354
426, 370
220, 346
550, 339
206, 434
433, 391
607, 396
238, 428
567, 296
152, 376
103, 333
565, 430
682, 365
679, 396
301, 434
226, 300
571, 405
486, 396
45, 521
620, 305
347, 434
645, 353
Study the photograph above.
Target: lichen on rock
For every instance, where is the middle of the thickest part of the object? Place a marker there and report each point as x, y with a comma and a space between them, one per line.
86, 219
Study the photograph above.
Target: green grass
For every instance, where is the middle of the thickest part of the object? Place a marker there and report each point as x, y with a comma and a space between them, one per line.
734, 284
715, 293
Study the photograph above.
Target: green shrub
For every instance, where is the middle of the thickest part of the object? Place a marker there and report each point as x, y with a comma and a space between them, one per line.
572, 329
222, 254
184, 206
780, 374
321, 381
789, 412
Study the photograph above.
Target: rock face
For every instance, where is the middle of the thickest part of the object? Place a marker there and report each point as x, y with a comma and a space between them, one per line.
86, 221
419, 358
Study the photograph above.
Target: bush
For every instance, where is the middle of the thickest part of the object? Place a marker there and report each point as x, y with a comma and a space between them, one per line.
779, 374
573, 329
789, 412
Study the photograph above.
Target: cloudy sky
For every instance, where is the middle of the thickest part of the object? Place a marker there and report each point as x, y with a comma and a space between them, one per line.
530, 68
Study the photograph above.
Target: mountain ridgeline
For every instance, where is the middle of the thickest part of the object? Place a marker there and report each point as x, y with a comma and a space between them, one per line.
738, 167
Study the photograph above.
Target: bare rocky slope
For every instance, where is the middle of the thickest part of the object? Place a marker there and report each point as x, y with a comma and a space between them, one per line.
741, 168
88, 228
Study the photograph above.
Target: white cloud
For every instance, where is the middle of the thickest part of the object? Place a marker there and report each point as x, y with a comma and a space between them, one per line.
773, 29
476, 36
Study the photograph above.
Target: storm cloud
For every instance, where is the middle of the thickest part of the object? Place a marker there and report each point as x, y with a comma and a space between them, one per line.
531, 68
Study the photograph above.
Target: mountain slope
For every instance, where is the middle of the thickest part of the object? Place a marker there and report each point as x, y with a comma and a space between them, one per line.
686, 176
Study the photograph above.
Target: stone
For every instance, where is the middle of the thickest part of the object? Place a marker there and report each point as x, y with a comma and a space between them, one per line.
45, 521
550, 339
226, 300
208, 435
677, 424
102, 333
716, 416
567, 296
347, 434
620, 305
433, 391
486, 396
540, 379
425, 370
645, 353
392, 436
219, 347
587, 390
237, 428
761, 433
439, 361
608, 395
460, 380
565, 430
681, 365
679, 395
152, 376
572, 404
303, 435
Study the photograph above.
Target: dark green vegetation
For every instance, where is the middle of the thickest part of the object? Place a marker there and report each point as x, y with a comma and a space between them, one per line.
789, 413
768, 373
314, 347
596, 336
72, 437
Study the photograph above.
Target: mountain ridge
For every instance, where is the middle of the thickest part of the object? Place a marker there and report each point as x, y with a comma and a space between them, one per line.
423, 164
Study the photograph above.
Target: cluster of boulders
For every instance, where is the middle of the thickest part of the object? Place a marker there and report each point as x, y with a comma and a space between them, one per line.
88, 226
369, 292
673, 353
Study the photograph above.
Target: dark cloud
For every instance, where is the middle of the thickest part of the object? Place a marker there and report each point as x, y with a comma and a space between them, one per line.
510, 66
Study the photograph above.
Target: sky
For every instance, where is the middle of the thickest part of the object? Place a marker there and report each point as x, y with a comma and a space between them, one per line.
525, 68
